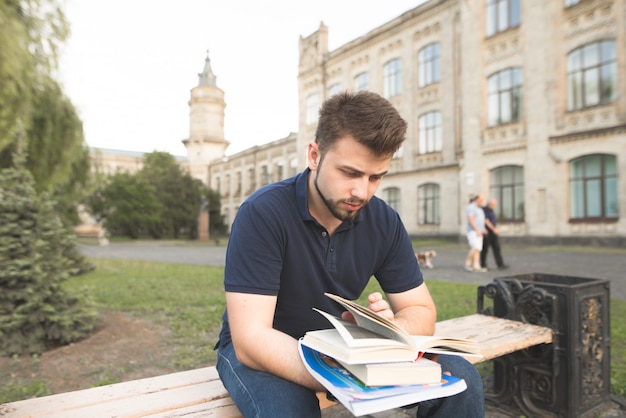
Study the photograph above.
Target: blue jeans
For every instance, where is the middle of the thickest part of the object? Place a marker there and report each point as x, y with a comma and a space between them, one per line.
258, 394
468, 404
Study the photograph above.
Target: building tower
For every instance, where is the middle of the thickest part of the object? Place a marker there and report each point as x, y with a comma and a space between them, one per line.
206, 124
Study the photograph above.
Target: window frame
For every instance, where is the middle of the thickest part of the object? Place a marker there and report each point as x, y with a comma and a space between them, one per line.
505, 87
392, 78
585, 79
587, 182
392, 197
429, 204
334, 89
362, 81
429, 65
508, 192
570, 3
502, 15
430, 132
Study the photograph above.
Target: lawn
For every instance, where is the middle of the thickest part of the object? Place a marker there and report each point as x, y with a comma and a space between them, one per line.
189, 300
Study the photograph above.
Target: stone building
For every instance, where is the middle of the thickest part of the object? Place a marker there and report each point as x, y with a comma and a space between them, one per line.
519, 100
235, 177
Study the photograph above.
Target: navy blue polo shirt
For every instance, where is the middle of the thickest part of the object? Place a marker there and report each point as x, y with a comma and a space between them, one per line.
277, 248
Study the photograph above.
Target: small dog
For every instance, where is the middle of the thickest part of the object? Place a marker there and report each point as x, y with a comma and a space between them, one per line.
424, 258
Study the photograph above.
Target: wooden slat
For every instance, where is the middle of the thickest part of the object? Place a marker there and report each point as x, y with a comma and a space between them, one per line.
200, 393
156, 396
495, 336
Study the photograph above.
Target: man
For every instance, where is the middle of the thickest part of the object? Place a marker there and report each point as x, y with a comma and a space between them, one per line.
491, 238
475, 231
323, 231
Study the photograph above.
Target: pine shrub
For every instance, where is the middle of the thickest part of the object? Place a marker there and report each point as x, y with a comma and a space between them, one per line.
37, 254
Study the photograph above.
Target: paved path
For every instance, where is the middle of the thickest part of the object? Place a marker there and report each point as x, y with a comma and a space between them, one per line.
588, 262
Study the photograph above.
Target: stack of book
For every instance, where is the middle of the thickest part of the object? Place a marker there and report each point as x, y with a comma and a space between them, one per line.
374, 365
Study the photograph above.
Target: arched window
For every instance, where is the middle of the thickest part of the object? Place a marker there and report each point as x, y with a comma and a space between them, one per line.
334, 89
429, 135
591, 75
428, 204
392, 197
392, 78
593, 188
428, 64
507, 186
504, 99
362, 81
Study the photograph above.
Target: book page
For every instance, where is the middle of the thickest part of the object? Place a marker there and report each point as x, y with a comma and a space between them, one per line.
374, 322
443, 345
356, 336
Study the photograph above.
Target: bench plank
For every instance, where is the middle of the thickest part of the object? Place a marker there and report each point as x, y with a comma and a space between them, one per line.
495, 336
173, 395
200, 393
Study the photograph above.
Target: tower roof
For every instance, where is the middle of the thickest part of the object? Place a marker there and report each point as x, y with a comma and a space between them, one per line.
206, 77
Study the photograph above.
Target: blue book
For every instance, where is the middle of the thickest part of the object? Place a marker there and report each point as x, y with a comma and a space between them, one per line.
361, 399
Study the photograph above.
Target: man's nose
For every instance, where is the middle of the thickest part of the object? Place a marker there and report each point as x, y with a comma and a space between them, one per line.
360, 188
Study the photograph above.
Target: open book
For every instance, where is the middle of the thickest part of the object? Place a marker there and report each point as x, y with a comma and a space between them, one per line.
374, 339
361, 399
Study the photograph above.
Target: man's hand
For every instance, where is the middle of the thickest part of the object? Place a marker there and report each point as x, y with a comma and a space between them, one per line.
377, 305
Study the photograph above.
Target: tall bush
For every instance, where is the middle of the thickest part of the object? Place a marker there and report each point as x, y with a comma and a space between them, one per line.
37, 254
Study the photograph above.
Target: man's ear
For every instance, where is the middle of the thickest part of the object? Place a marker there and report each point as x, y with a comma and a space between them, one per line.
313, 156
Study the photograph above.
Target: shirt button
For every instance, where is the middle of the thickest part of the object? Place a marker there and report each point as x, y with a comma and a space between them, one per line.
324, 233
331, 250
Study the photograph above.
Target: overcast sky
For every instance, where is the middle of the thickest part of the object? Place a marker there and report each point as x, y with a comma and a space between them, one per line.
129, 65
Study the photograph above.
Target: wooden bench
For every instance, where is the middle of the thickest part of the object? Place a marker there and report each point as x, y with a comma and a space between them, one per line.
200, 393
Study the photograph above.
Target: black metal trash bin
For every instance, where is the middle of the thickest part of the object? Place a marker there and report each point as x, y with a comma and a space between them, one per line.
571, 377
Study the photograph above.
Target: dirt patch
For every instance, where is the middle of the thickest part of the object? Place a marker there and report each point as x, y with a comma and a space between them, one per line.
121, 348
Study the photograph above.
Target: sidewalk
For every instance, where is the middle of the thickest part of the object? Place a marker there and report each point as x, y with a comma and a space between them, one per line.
589, 262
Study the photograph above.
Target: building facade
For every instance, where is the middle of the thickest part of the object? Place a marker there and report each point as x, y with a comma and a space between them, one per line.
524, 101
236, 176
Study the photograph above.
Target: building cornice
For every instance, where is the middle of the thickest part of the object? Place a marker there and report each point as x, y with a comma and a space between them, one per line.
587, 134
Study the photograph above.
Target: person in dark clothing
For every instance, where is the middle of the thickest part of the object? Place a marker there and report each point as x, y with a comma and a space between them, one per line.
491, 237
324, 230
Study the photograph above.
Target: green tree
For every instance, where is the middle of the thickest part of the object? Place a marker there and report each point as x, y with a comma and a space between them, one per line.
217, 227
31, 32
178, 192
37, 254
126, 205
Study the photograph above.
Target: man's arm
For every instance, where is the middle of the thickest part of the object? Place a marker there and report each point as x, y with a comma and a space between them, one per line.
491, 226
470, 219
258, 345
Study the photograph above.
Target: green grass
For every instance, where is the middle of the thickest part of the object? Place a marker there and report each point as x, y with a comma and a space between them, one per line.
190, 301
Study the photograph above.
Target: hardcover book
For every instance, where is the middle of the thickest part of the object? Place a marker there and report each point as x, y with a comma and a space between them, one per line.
422, 371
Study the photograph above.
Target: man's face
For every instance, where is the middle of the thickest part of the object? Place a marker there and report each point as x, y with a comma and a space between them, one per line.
480, 199
347, 177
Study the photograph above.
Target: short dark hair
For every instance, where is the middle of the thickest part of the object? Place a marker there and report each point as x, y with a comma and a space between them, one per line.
369, 118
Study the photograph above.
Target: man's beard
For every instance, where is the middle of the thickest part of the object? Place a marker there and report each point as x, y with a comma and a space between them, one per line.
333, 205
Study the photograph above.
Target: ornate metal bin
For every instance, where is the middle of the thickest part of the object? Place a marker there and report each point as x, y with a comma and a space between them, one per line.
569, 378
